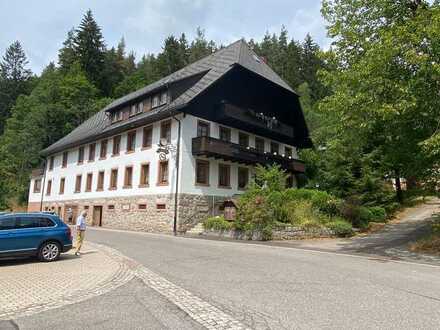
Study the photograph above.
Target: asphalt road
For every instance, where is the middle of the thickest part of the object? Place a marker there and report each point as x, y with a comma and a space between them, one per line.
268, 287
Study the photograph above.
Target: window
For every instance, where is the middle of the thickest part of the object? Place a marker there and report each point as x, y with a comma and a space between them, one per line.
89, 181
147, 105
92, 149
114, 179
274, 148
165, 130
78, 184
131, 141
202, 128
128, 178
288, 151
51, 161
126, 113
103, 151
32, 222
243, 140
133, 110
116, 145
145, 175
140, 107
119, 115
111, 207
155, 101
100, 184
62, 185
7, 223
163, 173
202, 172
224, 175
65, 158
161, 206
49, 188
243, 177
147, 137
142, 206
37, 185
259, 144
80, 155
225, 134
163, 98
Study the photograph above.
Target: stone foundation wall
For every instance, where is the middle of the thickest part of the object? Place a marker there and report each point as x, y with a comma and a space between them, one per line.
196, 208
126, 213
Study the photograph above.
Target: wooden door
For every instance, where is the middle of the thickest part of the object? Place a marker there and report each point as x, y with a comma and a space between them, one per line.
70, 213
97, 216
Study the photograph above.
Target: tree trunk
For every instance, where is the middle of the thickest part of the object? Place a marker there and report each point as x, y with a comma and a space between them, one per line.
399, 193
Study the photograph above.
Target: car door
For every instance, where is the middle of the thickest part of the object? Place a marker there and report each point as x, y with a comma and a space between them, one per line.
7, 226
27, 234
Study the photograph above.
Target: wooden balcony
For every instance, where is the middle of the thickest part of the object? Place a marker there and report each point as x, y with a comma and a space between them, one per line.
219, 149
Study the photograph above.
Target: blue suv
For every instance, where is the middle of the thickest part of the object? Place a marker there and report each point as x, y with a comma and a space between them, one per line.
43, 235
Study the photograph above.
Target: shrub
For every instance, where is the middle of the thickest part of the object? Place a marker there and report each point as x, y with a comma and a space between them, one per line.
341, 228
301, 214
217, 223
321, 200
378, 213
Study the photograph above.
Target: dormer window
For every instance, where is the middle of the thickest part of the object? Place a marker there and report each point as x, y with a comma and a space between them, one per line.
163, 98
155, 102
133, 110
140, 107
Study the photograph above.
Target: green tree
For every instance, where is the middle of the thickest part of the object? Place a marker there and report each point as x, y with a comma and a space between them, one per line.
385, 83
90, 50
67, 55
15, 79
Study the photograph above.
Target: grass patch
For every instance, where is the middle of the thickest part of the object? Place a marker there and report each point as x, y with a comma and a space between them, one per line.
431, 243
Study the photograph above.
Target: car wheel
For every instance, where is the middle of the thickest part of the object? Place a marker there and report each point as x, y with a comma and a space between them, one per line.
49, 251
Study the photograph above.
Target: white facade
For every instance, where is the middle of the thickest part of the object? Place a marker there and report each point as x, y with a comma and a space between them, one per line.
187, 184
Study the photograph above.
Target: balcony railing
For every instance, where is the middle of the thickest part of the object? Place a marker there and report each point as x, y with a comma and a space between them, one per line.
219, 149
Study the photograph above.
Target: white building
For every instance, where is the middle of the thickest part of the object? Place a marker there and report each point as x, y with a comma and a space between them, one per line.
191, 139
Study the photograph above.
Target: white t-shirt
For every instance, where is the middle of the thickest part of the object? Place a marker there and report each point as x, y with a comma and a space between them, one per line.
81, 223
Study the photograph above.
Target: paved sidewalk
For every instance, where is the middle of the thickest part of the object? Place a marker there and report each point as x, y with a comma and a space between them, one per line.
28, 286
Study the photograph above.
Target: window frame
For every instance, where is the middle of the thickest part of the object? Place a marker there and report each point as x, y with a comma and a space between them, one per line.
78, 183
228, 167
65, 159
131, 142
272, 145
80, 155
257, 141
35, 190
206, 124
290, 153
160, 173
89, 182
62, 186
113, 184
99, 182
103, 149
163, 124
239, 169
225, 129
128, 177
92, 152
242, 134
49, 187
51, 163
116, 138
203, 163
144, 174
146, 129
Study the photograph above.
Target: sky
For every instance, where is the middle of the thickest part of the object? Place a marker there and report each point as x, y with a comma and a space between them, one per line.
41, 26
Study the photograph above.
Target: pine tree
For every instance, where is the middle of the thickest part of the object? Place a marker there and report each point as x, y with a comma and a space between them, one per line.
14, 79
90, 49
67, 55
200, 47
171, 59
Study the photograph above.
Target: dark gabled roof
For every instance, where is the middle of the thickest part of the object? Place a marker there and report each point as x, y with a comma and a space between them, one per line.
211, 68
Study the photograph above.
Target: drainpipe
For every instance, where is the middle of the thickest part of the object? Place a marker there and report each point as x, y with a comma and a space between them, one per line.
42, 186
176, 193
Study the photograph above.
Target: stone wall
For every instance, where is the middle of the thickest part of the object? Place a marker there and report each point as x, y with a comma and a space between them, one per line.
140, 213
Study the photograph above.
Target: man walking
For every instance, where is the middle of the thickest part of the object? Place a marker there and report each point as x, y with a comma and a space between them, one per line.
80, 231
